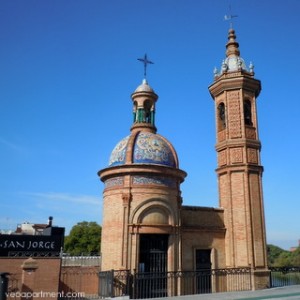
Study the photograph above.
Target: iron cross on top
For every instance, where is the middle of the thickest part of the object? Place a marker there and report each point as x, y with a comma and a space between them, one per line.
145, 61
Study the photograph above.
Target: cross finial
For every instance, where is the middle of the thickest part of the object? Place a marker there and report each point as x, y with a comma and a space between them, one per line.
145, 61
229, 17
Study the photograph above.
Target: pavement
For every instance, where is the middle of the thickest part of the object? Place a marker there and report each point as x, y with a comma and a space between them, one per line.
288, 292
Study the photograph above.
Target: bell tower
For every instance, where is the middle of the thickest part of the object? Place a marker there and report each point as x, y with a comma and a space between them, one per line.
239, 170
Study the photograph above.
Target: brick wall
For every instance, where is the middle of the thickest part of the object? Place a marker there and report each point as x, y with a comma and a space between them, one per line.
202, 228
79, 280
131, 210
30, 276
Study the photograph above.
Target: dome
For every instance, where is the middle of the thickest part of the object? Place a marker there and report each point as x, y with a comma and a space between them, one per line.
144, 87
146, 148
118, 155
234, 63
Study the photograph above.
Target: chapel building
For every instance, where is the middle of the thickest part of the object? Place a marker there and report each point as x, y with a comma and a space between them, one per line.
146, 226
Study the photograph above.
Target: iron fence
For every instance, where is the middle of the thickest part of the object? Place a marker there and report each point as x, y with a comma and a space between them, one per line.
284, 276
165, 284
139, 285
115, 283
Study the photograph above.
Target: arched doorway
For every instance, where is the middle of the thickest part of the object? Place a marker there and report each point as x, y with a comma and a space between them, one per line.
153, 266
153, 253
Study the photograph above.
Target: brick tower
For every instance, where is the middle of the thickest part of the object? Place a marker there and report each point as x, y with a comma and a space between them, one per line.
239, 170
142, 197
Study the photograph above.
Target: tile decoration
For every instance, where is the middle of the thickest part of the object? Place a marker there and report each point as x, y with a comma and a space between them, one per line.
116, 181
151, 148
154, 180
118, 155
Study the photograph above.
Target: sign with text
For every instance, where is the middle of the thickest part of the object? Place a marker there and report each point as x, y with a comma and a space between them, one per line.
30, 245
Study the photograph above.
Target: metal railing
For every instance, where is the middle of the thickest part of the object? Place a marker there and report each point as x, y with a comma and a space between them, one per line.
284, 276
151, 285
115, 283
81, 261
165, 284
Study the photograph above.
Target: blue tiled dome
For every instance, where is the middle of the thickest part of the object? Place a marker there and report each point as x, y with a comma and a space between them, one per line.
147, 148
153, 149
118, 155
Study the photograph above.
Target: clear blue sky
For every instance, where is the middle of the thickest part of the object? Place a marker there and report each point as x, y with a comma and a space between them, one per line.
67, 69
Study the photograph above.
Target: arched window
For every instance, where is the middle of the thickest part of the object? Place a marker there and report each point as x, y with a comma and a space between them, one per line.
221, 116
247, 113
135, 112
147, 108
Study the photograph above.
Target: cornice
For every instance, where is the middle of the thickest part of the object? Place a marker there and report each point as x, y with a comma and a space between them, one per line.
238, 143
138, 169
240, 81
243, 167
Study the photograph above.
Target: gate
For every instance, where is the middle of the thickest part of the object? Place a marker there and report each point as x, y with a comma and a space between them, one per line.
106, 284
151, 280
115, 283
150, 285
153, 253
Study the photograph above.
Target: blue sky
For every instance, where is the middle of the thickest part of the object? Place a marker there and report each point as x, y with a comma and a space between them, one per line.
68, 68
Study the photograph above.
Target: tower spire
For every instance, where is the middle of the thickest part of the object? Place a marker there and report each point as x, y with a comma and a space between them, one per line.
232, 45
233, 61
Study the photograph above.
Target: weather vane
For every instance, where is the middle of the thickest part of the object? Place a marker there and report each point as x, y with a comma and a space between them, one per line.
145, 61
230, 17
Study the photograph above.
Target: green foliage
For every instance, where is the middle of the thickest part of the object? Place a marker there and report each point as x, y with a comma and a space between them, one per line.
284, 260
273, 254
278, 257
84, 239
295, 259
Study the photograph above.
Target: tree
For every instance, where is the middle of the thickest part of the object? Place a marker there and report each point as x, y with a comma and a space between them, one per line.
273, 254
278, 257
84, 239
284, 260
295, 258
